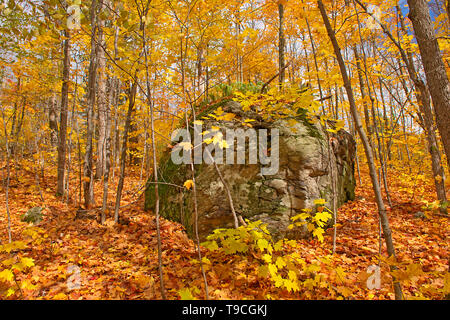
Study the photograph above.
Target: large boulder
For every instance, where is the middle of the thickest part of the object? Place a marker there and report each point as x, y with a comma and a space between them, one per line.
306, 164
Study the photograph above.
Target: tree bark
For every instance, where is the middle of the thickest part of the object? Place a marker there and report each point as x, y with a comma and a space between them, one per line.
423, 98
281, 44
131, 103
435, 72
113, 94
52, 121
62, 137
367, 149
316, 64
154, 160
448, 10
8, 175
88, 183
363, 96
102, 106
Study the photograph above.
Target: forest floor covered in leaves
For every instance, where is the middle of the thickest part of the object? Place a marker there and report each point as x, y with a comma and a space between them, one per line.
120, 261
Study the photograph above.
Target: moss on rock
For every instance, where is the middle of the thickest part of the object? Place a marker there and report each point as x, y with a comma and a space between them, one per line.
303, 176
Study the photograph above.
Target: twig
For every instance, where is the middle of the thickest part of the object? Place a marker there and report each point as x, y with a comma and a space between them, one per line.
263, 89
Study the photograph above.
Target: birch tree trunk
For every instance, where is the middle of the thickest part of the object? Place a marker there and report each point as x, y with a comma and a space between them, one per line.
102, 106
113, 94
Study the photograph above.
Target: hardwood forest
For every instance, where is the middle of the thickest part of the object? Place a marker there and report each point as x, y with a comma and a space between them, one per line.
338, 112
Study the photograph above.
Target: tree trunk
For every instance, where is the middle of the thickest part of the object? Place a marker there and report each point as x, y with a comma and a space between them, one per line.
88, 183
113, 93
63, 115
52, 122
426, 121
448, 11
107, 155
123, 154
102, 106
281, 44
423, 98
362, 134
316, 64
363, 96
155, 163
133, 143
8, 175
435, 72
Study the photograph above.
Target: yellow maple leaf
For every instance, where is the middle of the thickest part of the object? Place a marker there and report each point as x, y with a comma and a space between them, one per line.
27, 262
60, 296
319, 202
280, 263
188, 184
228, 116
6, 275
262, 244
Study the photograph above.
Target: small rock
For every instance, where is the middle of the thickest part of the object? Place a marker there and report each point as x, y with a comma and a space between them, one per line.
34, 215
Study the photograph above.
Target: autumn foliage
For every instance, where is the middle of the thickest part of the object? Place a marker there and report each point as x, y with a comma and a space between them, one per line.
91, 92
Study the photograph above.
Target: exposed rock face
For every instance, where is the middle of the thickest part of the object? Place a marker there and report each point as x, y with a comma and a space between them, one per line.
304, 175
